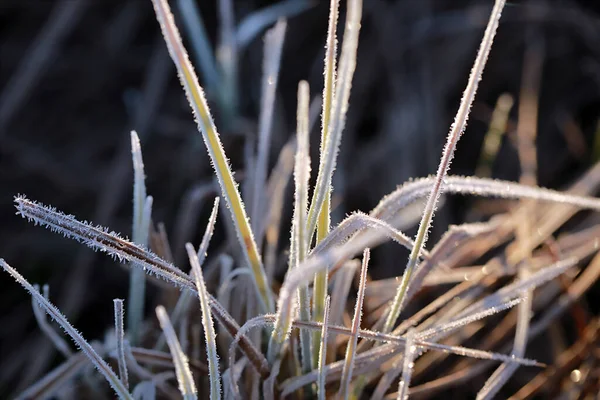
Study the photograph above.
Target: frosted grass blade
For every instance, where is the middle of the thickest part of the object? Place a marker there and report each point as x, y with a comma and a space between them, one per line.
322, 364
206, 126
40, 315
207, 323
456, 131
120, 336
187, 387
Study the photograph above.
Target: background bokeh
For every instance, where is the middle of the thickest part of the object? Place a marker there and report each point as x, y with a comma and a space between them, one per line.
77, 75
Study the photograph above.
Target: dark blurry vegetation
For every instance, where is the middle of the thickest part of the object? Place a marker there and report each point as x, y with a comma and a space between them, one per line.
77, 75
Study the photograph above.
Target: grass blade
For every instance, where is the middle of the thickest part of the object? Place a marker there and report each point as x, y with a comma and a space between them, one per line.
324, 218
410, 352
89, 351
344, 391
40, 316
120, 336
271, 63
207, 323
322, 392
299, 241
229, 188
456, 131
187, 387
137, 283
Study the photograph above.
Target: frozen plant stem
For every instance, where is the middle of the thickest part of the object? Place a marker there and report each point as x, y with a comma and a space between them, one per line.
206, 126
457, 129
120, 336
324, 220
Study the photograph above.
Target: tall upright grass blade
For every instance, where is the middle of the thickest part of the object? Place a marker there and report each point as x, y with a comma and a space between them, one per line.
344, 391
324, 218
271, 63
198, 102
339, 107
456, 131
99, 238
299, 240
137, 283
322, 364
87, 349
227, 58
120, 336
187, 387
40, 316
207, 323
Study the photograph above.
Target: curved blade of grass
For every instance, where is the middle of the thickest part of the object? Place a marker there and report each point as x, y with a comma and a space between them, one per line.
456, 131
187, 387
271, 63
87, 349
229, 188
322, 392
324, 218
137, 282
207, 323
344, 390
120, 336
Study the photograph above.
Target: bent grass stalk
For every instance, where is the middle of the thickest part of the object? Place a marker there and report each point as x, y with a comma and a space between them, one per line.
456, 132
197, 100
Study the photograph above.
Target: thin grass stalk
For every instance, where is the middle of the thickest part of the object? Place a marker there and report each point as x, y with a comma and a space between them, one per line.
120, 336
299, 238
89, 351
194, 25
410, 352
324, 219
185, 297
344, 390
137, 282
229, 188
40, 316
456, 131
338, 115
322, 365
271, 64
185, 380
207, 323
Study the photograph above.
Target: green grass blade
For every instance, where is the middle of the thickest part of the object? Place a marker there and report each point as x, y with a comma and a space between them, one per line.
229, 188
457, 129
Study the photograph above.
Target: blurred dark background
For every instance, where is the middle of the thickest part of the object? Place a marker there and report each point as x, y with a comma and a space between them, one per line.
77, 75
